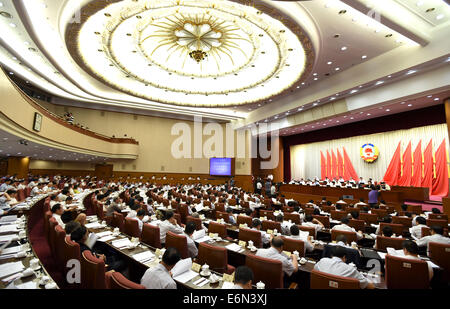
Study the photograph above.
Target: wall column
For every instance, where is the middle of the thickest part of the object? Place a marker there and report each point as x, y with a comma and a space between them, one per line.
18, 166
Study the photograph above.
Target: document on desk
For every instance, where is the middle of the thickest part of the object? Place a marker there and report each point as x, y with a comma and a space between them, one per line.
94, 225
203, 239
10, 268
144, 257
6, 229
11, 218
199, 234
392, 251
31, 285
106, 238
11, 250
234, 247
6, 238
122, 243
182, 271
103, 234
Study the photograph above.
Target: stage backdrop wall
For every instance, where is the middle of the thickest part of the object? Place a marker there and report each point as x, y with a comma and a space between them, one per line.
305, 159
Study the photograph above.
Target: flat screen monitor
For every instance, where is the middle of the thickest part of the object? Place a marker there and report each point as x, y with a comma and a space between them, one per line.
220, 167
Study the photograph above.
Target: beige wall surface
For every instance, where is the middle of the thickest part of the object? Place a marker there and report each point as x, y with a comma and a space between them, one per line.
155, 138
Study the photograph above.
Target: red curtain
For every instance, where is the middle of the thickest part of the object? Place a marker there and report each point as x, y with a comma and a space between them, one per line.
340, 164
405, 179
328, 165
416, 180
349, 171
393, 170
335, 165
440, 183
427, 174
323, 166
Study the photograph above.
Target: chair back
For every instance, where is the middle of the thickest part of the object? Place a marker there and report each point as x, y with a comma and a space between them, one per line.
220, 229
438, 222
118, 221
405, 221
244, 220
21, 195
92, 271
402, 273
184, 212
439, 253
216, 257
392, 242
368, 218
220, 207
179, 242
269, 271
338, 215
151, 236
358, 225
117, 281
351, 236
47, 217
232, 202
178, 218
131, 228
59, 245
438, 217
396, 228
324, 219
310, 229
271, 225
223, 215
381, 213
295, 218
415, 209
292, 245
52, 235
197, 222
253, 235
324, 281
267, 213
71, 251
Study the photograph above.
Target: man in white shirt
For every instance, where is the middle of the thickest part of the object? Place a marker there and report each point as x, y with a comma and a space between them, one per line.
303, 236
36, 190
265, 238
436, 236
289, 265
160, 277
169, 225
57, 211
189, 231
416, 229
336, 266
344, 227
411, 251
243, 278
140, 218
313, 222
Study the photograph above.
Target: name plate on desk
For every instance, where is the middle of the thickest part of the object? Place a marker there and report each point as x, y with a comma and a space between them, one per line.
287, 253
269, 232
242, 243
213, 235
228, 278
196, 267
158, 252
243, 225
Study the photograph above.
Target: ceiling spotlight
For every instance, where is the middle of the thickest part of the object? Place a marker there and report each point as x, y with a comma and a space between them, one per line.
411, 72
315, 78
409, 105
315, 74
344, 48
379, 82
329, 62
364, 57
353, 91
389, 76
388, 110
332, 98
369, 114
429, 96
436, 99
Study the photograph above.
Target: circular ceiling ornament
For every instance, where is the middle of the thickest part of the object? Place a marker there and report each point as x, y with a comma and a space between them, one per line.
203, 53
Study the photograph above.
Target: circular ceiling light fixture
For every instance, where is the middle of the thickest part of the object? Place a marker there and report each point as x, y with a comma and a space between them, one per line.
230, 48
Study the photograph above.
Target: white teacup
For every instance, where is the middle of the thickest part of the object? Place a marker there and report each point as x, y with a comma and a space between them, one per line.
275, 231
50, 286
250, 244
27, 272
34, 263
260, 285
205, 269
20, 254
296, 253
22, 234
44, 280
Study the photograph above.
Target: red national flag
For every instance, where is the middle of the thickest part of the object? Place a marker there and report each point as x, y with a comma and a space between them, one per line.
440, 183
349, 171
328, 165
416, 180
340, 164
405, 179
393, 171
323, 166
334, 170
427, 174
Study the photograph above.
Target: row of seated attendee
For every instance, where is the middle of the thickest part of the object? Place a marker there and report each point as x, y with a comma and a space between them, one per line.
143, 202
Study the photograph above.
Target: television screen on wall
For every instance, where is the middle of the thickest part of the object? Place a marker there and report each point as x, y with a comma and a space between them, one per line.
220, 167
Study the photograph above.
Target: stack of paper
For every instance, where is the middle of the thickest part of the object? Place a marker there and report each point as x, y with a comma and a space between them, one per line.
144, 257
11, 268
94, 225
199, 234
182, 271
12, 218
122, 243
227, 285
234, 247
103, 234
7, 238
8, 229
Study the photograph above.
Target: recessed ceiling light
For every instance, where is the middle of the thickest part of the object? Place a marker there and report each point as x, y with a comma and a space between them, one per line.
332, 98
429, 96
315, 78
389, 76
364, 56
344, 48
315, 74
315, 104
440, 16
329, 62
388, 110
403, 102
337, 69
379, 82
436, 99
409, 105
369, 114
353, 91
303, 83
300, 109
411, 72
352, 118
